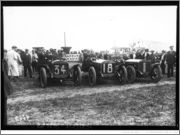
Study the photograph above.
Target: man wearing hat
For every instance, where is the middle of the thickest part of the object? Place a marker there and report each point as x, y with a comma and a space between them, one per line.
170, 59
27, 63
13, 60
152, 57
162, 62
146, 54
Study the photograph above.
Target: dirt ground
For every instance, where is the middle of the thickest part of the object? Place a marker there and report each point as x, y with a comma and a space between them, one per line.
108, 103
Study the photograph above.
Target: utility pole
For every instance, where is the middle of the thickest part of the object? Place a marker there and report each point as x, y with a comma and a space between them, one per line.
64, 39
65, 48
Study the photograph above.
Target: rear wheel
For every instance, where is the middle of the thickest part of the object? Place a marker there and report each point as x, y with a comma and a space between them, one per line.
77, 76
122, 74
131, 74
43, 77
92, 76
156, 74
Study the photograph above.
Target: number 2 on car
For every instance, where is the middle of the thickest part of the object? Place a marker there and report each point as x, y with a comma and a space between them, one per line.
108, 68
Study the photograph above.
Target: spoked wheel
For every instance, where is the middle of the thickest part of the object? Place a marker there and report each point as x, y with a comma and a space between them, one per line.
43, 77
92, 76
156, 74
122, 74
131, 74
77, 76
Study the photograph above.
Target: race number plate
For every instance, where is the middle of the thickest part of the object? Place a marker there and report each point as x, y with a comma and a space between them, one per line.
108, 68
59, 69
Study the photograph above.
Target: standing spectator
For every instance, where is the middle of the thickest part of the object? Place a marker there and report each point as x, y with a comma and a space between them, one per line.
59, 54
152, 56
146, 54
170, 59
34, 61
13, 60
5, 62
41, 58
81, 56
105, 56
162, 62
63, 55
27, 63
7, 90
140, 54
20, 66
132, 55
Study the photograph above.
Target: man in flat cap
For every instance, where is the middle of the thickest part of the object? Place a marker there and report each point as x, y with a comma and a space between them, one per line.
170, 59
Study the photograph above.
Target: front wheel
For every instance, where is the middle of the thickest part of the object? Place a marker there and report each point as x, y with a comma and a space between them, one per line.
122, 74
92, 76
43, 77
156, 74
131, 74
77, 76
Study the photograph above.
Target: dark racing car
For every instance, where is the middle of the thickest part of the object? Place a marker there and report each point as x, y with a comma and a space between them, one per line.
100, 69
141, 68
61, 69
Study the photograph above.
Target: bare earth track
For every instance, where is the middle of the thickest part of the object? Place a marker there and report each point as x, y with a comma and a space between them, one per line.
104, 104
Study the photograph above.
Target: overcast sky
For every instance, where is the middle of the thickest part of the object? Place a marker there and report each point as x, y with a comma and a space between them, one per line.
91, 27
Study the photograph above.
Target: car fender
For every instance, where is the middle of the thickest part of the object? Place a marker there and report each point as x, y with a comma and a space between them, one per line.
75, 66
47, 68
116, 67
155, 64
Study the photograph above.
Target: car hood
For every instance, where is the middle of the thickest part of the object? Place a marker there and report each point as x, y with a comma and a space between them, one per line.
102, 61
58, 62
134, 60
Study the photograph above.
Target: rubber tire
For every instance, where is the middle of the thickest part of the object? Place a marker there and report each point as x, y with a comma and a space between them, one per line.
133, 74
92, 69
43, 77
159, 74
79, 76
125, 74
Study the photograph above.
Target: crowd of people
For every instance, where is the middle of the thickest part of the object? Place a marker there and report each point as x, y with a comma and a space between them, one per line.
15, 61
167, 59
19, 62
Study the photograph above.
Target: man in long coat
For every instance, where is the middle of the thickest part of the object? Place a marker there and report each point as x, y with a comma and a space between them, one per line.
13, 60
171, 60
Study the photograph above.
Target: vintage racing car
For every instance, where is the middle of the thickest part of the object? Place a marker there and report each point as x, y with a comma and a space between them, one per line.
100, 69
141, 68
62, 69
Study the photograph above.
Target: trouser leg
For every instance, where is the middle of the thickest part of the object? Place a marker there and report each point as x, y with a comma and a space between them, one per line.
5, 111
25, 71
33, 67
30, 71
171, 70
163, 68
169, 67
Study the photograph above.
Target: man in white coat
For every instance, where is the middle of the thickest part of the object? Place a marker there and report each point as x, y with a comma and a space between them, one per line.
13, 60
